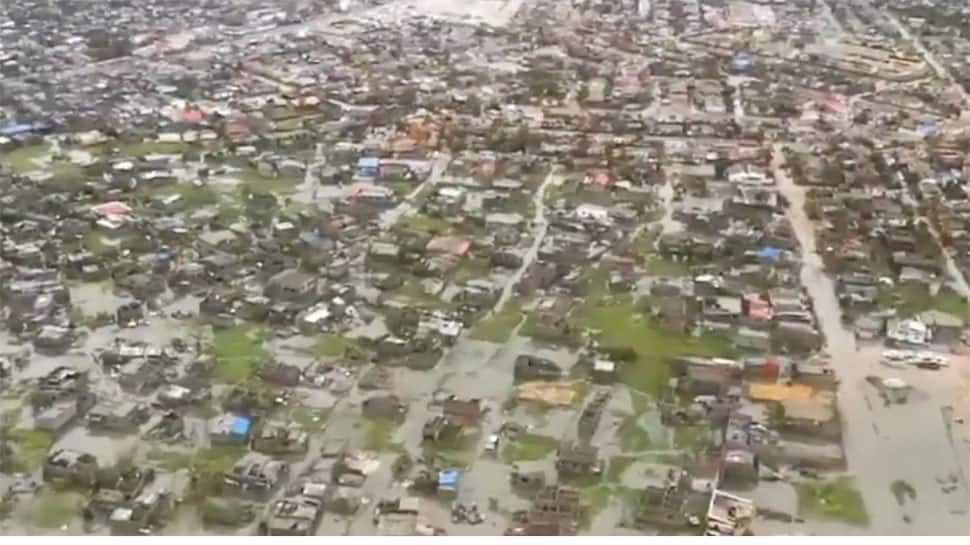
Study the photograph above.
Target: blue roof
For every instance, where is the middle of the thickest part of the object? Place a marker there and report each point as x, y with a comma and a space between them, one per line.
368, 162
310, 237
448, 477
240, 425
769, 252
926, 129
16, 128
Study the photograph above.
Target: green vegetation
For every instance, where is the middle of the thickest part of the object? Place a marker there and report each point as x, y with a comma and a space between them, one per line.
691, 438
379, 435
208, 467
238, 352
425, 224
618, 466
499, 326
22, 159
621, 325
170, 460
633, 438
30, 448
137, 149
192, 196
458, 451
412, 291
594, 499
645, 244
402, 188
66, 169
911, 300
833, 500
52, 509
310, 419
330, 345
660, 266
253, 181
528, 447
470, 269
94, 243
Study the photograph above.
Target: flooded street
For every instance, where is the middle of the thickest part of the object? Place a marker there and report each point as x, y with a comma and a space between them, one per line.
883, 444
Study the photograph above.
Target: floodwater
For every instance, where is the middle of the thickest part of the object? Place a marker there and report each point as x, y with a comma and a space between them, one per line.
882, 443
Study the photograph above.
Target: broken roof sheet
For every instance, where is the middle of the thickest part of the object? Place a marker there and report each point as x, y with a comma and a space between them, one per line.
449, 245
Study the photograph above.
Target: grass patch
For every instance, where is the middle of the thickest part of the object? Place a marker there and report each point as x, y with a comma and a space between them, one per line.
208, 467
330, 345
402, 188
169, 460
499, 326
470, 268
660, 266
912, 300
310, 419
30, 448
66, 169
192, 196
617, 467
52, 509
457, 452
94, 243
528, 447
833, 500
594, 499
951, 302
137, 149
22, 159
691, 438
253, 181
379, 435
633, 438
665, 459
413, 292
621, 325
238, 352
425, 223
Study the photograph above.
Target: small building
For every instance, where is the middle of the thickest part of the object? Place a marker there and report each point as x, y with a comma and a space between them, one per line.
146, 513
230, 429
463, 413
447, 480
293, 516
665, 506
257, 474
65, 465
533, 368
280, 438
291, 285
604, 371
945, 328
578, 460
117, 417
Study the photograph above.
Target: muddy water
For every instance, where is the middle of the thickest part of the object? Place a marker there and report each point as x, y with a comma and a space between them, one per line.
882, 444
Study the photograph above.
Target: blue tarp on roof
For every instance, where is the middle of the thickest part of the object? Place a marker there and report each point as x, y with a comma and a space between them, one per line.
448, 478
926, 129
240, 425
368, 162
16, 128
769, 252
